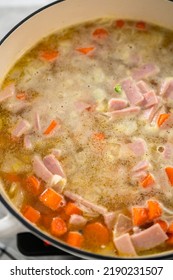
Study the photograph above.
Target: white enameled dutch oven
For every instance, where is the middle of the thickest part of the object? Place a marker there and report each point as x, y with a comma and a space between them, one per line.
27, 33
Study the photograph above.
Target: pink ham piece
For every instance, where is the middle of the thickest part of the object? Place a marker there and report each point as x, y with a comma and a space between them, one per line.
116, 104
56, 152
149, 238
168, 151
142, 165
150, 99
109, 219
27, 142
37, 124
22, 127
132, 92
143, 87
167, 88
77, 220
127, 112
139, 175
7, 92
145, 71
138, 147
77, 198
53, 165
123, 224
124, 245
40, 169
150, 112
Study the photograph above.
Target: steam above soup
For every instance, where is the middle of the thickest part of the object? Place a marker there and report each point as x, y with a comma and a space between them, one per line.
86, 137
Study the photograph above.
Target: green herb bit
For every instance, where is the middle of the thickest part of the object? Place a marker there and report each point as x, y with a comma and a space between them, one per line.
118, 88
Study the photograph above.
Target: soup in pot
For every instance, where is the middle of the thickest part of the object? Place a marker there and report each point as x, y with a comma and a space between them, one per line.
86, 137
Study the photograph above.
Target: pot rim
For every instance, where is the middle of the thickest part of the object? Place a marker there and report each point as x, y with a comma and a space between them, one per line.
38, 232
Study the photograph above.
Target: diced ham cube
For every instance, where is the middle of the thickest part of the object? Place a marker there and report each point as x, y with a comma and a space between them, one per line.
109, 219
22, 127
77, 198
27, 142
168, 151
140, 175
37, 122
53, 165
150, 99
7, 92
116, 104
143, 87
149, 238
167, 88
145, 71
40, 169
124, 245
123, 224
142, 165
127, 112
132, 92
77, 220
138, 147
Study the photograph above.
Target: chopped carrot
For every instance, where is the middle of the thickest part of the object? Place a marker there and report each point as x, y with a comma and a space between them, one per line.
120, 23
141, 25
147, 181
170, 228
154, 209
169, 241
12, 177
21, 95
75, 239
163, 225
71, 209
169, 172
58, 227
99, 136
51, 127
49, 55
100, 33
85, 50
51, 199
139, 216
31, 214
96, 234
32, 184
162, 118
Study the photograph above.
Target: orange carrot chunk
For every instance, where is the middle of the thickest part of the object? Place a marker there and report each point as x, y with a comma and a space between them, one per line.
154, 209
96, 234
49, 55
148, 181
162, 118
169, 241
75, 239
141, 25
163, 225
100, 33
21, 95
85, 50
58, 227
51, 199
12, 177
31, 214
71, 209
99, 136
32, 184
170, 229
120, 23
169, 172
139, 216
51, 127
